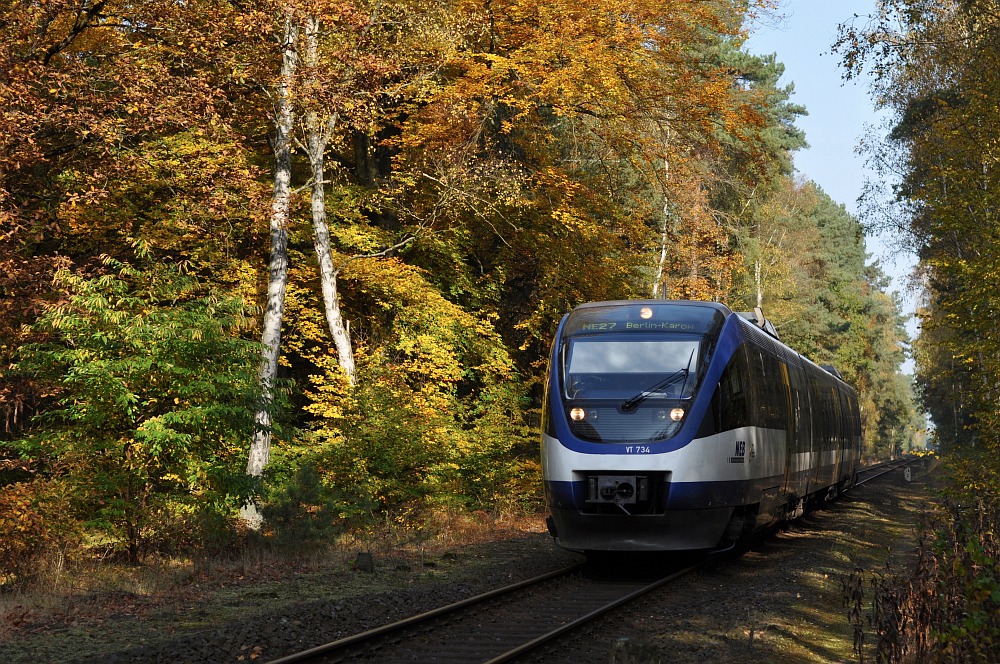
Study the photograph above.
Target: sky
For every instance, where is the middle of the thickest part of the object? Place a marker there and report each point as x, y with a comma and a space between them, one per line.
840, 112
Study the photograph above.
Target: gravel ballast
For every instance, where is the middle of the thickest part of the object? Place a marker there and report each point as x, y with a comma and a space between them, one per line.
780, 602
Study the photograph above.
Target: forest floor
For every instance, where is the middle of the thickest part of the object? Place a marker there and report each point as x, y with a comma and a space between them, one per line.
782, 601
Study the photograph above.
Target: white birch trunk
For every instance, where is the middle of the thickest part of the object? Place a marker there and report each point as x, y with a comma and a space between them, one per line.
759, 281
284, 120
317, 134
662, 263
664, 224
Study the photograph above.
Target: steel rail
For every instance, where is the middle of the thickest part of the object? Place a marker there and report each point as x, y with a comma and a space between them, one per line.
596, 613
884, 469
579, 622
534, 644
406, 623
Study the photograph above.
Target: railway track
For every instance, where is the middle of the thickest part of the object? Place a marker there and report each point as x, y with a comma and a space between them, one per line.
874, 472
498, 626
509, 623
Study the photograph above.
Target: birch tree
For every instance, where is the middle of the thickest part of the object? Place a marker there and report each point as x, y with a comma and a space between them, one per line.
357, 59
318, 131
284, 122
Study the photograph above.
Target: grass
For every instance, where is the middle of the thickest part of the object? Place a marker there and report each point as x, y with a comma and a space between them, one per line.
794, 611
92, 605
783, 602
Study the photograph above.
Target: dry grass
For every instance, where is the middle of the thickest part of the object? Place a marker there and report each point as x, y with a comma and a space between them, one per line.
89, 590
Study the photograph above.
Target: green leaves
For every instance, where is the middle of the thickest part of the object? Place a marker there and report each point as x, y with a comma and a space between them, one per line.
435, 411
497, 164
155, 393
935, 67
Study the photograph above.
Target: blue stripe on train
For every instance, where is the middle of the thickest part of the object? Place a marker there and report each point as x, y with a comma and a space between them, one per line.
673, 495
682, 495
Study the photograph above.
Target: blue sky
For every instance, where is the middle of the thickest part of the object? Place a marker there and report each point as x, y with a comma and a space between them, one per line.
840, 112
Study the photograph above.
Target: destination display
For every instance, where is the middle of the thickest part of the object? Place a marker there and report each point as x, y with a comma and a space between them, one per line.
644, 317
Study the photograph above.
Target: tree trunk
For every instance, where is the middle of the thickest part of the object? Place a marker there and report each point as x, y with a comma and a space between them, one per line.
658, 283
284, 120
664, 226
365, 167
317, 134
758, 280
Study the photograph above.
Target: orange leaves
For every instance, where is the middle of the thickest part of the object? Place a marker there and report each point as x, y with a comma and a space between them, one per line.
620, 73
31, 522
604, 112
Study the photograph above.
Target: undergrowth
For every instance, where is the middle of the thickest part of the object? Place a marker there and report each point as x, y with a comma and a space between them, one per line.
945, 606
89, 583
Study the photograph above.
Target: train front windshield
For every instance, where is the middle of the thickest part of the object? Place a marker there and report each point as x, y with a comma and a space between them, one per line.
599, 368
629, 390
633, 382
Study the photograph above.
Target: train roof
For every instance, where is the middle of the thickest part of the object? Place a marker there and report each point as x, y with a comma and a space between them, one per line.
718, 306
755, 318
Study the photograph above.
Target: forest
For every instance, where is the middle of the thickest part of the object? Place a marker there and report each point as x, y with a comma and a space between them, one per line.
932, 68
291, 269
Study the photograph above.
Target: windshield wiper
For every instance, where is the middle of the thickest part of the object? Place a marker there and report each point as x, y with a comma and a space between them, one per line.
630, 405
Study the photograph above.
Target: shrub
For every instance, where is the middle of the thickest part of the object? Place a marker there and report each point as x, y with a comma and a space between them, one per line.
302, 511
946, 608
156, 392
33, 522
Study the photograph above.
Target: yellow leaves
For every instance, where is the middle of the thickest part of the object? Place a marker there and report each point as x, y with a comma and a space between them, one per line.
415, 346
23, 529
358, 237
580, 230
430, 357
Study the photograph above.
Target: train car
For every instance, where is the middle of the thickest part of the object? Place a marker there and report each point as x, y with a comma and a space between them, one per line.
681, 425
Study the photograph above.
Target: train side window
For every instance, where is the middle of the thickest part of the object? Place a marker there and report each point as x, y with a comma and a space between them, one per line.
829, 425
763, 387
735, 401
547, 425
801, 409
819, 431
838, 415
777, 396
829, 417
856, 417
847, 417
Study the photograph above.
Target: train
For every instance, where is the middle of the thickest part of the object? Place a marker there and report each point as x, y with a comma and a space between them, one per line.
674, 425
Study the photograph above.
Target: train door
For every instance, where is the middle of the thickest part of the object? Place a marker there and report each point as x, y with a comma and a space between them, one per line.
820, 435
770, 472
792, 418
852, 436
843, 445
839, 433
800, 450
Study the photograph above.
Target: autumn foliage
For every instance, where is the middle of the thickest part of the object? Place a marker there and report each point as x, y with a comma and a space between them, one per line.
459, 175
934, 69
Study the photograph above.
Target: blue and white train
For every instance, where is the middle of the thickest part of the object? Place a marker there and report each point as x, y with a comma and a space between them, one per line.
677, 425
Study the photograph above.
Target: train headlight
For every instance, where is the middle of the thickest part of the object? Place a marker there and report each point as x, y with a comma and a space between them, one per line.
677, 414
577, 414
